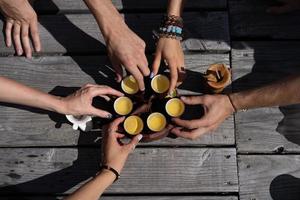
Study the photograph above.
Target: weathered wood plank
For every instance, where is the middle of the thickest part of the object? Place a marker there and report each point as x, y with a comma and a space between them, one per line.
79, 5
249, 19
31, 127
129, 198
148, 170
79, 33
269, 177
268, 129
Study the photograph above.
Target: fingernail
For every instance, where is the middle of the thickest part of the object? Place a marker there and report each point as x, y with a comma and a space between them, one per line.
109, 116
151, 75
140, 136
19, 52
183, 98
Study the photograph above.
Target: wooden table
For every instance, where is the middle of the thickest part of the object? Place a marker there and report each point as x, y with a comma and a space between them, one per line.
252, 155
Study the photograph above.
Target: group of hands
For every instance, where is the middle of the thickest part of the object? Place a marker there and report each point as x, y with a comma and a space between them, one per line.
127, 50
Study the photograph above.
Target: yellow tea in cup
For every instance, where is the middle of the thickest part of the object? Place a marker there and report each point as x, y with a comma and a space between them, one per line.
130, 85
133, 125
123, 105
175, 107
156, 122
160, 83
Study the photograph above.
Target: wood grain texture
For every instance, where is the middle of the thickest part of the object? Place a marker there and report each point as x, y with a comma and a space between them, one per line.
273, 177
66, 6
79, 33
269, 129
150, 170
249, 19
128, 198
22, 126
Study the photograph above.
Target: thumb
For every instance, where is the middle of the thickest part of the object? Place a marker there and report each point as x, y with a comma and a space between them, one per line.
193, 100
131, 146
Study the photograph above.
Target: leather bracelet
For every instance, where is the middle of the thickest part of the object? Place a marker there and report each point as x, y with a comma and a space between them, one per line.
112, 170
234, 108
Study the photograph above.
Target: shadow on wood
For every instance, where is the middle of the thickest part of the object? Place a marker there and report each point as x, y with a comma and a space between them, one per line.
285, 187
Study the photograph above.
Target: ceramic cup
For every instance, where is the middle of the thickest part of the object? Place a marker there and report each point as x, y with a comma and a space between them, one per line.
160, 83
129, 85
123, 105
133, 125
175, 107
156, 122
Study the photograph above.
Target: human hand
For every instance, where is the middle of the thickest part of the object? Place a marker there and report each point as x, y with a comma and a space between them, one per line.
169, 50
217, 108
115, 152
286, 7
80, 102
21, 24
126, 49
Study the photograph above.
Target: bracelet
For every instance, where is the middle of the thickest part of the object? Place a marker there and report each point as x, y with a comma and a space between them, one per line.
171, 27
112, 170
234, 108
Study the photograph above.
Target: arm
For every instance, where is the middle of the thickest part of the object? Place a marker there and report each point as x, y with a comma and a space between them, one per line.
115, 156
169, 49
78, 103
124, 47
280, 93
219, 107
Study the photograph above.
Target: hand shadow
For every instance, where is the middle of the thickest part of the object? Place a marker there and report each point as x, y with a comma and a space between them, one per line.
285, 187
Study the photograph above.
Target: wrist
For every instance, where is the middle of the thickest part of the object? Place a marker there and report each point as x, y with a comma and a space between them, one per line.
236, 102
59, 105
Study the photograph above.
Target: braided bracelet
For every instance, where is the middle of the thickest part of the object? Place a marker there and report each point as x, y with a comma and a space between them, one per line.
171, 27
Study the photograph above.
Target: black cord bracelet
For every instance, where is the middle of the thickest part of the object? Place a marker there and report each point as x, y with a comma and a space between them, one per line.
112, 170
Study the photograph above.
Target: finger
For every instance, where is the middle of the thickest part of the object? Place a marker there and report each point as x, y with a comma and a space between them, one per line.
193, 100
156, 64
25, 40
34, 31
100, 113
137, 75
105, 97
17, 39
190, 124
119, 135
158, 135
192, 134
173, 76
131, 146
8, 28
104, 90
113, 126
118, 70
143, 66
277, 10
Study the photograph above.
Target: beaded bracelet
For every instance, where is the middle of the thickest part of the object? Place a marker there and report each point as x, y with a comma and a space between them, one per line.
171, 27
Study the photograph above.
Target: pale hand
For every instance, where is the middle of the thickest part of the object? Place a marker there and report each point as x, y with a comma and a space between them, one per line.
115, 152
126, 49
171, 52
217, 108
20, 24
80, 102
